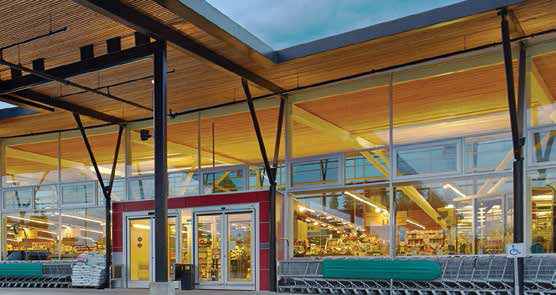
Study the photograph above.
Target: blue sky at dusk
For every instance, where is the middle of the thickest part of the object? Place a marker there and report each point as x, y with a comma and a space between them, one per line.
286, 23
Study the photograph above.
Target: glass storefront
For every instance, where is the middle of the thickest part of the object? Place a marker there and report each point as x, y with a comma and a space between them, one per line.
418, 164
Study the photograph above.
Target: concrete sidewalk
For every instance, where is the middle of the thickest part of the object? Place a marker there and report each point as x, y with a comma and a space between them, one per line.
80, 291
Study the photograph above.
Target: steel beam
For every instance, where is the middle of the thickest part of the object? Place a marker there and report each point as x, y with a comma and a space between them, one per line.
160, 165
258, 132
25, 103
271, 174
68, 106
64, 81
145, 24
79, 68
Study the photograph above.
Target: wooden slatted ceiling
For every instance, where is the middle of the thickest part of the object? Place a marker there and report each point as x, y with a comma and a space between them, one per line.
194, 84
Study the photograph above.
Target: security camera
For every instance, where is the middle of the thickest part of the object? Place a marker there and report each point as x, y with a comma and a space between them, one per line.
145, 134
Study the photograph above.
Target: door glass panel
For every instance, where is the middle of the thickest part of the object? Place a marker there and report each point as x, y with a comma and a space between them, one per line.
208, 237
139, 240
171, 247
239, 247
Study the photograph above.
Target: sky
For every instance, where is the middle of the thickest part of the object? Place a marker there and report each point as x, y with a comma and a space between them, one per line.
285, 23
4, 105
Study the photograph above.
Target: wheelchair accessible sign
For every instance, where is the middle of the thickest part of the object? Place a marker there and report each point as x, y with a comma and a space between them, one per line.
515, 250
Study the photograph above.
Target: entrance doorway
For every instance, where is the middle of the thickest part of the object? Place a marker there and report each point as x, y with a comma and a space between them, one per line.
225, 250
141, 248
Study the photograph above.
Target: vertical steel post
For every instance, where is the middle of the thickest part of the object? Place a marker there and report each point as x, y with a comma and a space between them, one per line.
517, 139
160, 165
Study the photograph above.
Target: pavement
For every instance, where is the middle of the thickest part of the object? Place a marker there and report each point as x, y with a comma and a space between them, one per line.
81, 291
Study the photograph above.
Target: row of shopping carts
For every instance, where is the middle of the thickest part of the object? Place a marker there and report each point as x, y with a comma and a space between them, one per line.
460, 275
55, 275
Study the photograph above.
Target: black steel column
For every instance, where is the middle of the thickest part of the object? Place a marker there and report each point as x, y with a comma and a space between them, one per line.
517, 139
271, 174
272, 196
160, 166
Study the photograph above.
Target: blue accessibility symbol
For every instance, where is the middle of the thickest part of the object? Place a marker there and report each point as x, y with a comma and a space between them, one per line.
514, 251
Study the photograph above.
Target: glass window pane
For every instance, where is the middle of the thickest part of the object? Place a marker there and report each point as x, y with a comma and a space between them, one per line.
367, 166
350, 223
34, 162
436, 217
340, 123
20, 198
543, 148
186, 241
542, 198
448, 104
118, 191
489, 153
78, 193
83, 230
324, 171
46, 197
258, 179
441, 158
224, 181
31, 235
141, 188
183, 184
541, 90
76, 163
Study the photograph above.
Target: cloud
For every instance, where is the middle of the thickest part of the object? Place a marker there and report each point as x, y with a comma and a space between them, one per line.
285, 23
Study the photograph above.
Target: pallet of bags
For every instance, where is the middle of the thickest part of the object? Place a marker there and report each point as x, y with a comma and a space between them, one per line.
89, 270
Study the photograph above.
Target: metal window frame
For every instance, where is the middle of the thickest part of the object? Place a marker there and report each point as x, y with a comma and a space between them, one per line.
194, 171
529, 150
408, 147
333, 156
244, 168
95, 202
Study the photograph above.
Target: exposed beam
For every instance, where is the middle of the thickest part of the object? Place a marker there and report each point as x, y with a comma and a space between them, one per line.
515, 25
306, 118
64, 81
207, 18
147, 25
25, 103
68, 106
79, 68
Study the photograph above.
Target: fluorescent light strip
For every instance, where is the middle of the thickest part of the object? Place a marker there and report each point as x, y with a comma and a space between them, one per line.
543, 197
364, 201
449, 186
415, 223
92, 230
79, 217
31, 220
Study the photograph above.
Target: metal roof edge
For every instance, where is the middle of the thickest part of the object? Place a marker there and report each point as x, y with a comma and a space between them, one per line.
218, 18
408, 23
